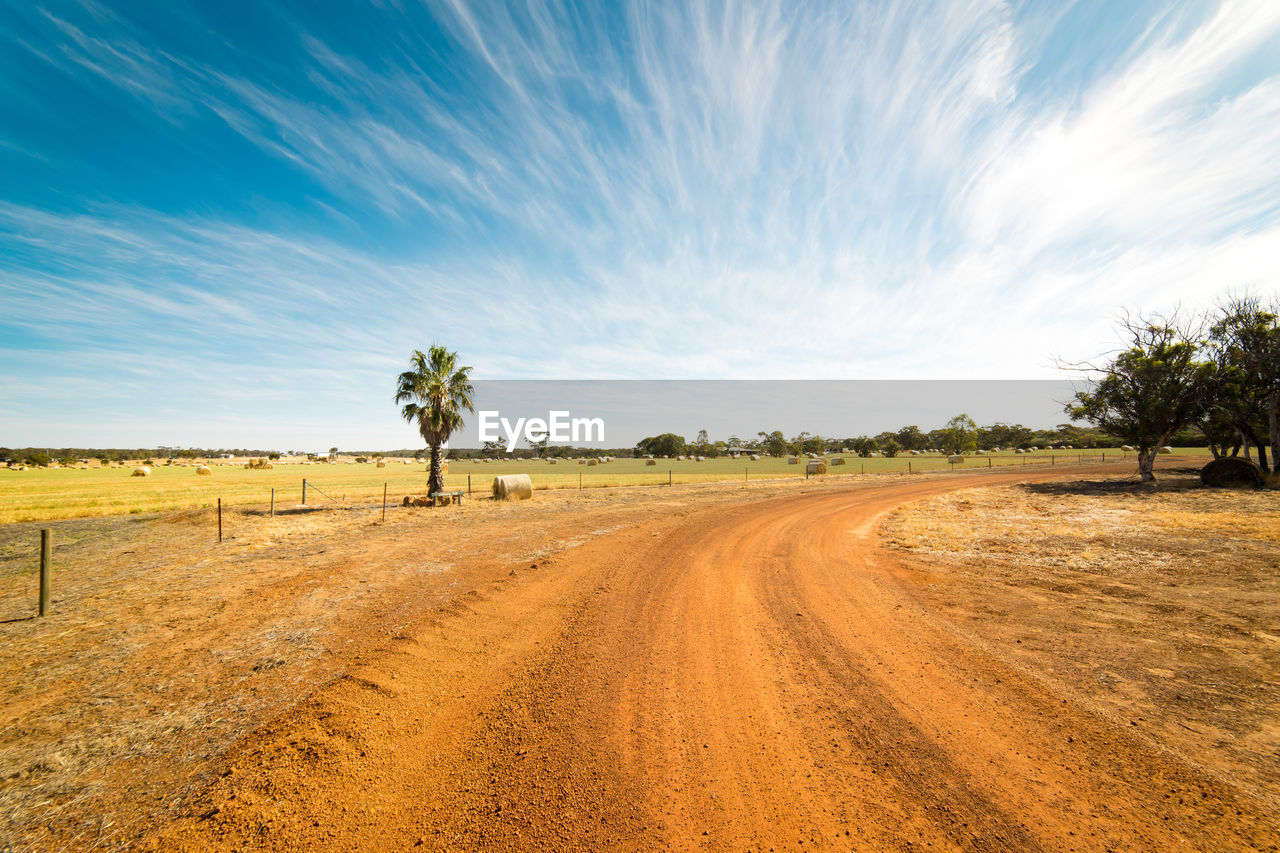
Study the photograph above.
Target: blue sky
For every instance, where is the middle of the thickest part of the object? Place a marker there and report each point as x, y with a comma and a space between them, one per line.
229, 223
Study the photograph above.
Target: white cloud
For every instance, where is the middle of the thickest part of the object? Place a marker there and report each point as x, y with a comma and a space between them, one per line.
767, 190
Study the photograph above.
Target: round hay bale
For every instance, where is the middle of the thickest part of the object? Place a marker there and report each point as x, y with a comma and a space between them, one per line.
755, 457
142, 471
513, 487
1232, 472
839, 460
204, 471
651, 462
1127, 448
582, 462
1166, 450
591, 463
793, 460
382, 464
815, 466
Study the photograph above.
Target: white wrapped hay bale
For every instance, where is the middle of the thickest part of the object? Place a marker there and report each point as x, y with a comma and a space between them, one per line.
513, 487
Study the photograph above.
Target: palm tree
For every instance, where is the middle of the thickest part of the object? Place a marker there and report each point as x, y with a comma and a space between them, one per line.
434, 391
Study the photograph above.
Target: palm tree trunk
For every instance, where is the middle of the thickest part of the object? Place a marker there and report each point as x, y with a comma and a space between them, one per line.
435, 483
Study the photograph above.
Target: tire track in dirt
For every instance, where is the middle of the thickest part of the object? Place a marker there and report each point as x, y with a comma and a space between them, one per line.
737, 678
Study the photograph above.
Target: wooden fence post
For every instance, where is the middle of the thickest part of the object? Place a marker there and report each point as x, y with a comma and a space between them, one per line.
384, 501
46, 568
273, 502
219, 519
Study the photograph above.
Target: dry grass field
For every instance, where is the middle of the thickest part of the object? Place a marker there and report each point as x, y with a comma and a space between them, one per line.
41, 494
1161, 607
1046, 665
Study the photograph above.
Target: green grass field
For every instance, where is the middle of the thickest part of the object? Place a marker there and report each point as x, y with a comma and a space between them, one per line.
46, 494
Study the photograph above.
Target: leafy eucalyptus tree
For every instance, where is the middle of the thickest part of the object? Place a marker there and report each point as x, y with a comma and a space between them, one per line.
960, 435
1244, 345
1152, 388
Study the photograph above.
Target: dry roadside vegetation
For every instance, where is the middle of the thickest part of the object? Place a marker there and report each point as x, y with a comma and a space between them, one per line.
1160, 607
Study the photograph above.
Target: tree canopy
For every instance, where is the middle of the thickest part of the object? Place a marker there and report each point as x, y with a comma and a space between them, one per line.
435, 391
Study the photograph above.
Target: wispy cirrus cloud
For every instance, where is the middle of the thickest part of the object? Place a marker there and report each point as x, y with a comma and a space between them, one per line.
767, 189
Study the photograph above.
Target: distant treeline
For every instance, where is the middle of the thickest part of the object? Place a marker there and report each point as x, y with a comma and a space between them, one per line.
1005, 436
890, 443
71, 455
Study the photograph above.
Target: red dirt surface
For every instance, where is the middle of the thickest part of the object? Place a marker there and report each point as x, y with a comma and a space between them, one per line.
736, 677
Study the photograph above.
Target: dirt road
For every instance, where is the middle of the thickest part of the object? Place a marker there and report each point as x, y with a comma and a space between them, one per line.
736, 678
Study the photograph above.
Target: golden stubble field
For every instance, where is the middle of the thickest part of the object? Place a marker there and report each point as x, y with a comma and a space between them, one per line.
84, 492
